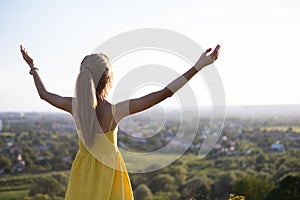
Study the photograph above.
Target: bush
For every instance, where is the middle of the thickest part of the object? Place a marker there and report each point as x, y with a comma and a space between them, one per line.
197, 187
253, 188
49, 186
288, 188
142, 192
5, 164
163, 182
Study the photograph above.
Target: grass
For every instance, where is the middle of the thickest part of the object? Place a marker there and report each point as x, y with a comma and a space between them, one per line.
144, 162
7, 134
14, 195
30, 175
15, 187
282, 128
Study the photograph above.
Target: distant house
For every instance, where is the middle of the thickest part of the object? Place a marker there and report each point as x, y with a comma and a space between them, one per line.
218, 146
63, 127
19, 166
41, 157
9, 145
9, 139
67, 159
140, 140
18, 122
293, 138
41, 147
14, 149
277, 147
39, 151
205, 131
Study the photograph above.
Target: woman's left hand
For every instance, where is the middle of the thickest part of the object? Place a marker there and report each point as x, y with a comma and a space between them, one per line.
26, 57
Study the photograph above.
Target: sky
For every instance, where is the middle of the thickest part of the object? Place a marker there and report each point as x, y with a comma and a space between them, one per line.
258, 63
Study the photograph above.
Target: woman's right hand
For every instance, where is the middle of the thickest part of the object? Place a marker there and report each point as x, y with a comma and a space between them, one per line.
206, 59
26, 57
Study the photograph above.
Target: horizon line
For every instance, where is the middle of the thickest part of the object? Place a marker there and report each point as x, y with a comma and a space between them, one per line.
168, 108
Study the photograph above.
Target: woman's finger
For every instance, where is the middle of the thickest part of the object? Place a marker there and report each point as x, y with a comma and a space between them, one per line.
217, 47
216, 51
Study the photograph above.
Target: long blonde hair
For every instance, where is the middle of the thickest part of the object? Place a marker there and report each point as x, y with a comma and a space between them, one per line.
95, 70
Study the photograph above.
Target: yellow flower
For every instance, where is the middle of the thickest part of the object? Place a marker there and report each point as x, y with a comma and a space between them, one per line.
234, 197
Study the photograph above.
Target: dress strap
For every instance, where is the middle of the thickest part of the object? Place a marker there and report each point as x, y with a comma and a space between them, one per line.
112, 118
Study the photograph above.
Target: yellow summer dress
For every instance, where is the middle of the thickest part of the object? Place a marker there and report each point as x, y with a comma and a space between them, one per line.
103, 177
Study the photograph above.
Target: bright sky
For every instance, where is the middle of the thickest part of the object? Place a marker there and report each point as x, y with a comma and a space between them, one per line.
259, 60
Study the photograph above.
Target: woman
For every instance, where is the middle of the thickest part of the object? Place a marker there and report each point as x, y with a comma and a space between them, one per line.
98, 171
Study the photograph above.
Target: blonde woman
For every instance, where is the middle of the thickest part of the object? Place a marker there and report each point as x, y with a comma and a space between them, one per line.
98, 171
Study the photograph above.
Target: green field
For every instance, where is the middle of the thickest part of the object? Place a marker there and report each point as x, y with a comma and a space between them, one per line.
13, 195
281, 128
15, 187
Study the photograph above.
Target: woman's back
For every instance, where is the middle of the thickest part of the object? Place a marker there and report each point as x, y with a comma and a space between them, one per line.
105, 116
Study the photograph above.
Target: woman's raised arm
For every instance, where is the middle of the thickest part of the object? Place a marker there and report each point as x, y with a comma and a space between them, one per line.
64, 103
132, 106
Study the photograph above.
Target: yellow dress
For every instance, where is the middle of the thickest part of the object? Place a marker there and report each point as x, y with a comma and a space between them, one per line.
91, 179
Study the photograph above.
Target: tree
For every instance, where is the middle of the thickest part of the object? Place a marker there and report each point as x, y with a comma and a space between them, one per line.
28, 161
47, 185
166, 196
261, 159
143, 192
179, 173
61, 178
224, 185
252, 188
31, 153
198, 187
288, 188
38, 197
164, 183
5, 164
